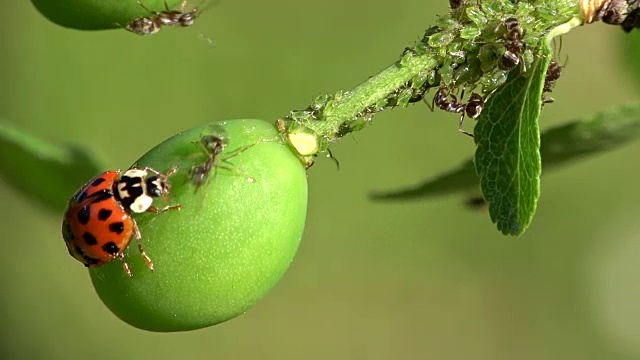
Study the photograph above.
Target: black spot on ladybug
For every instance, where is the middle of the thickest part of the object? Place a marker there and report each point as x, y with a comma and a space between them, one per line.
80, 196
78, 250
88, 261
67, 234
116, 227
97, 181
101, 195
104, 214
111, 248
89, 239
84, 215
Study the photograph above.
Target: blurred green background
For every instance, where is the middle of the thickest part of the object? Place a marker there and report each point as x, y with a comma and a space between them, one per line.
408, 280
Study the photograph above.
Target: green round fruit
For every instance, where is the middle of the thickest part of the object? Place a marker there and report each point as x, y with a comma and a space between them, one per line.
229, 244
99, 14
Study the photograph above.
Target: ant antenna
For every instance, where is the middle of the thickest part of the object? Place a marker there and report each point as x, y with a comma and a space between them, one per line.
330, 155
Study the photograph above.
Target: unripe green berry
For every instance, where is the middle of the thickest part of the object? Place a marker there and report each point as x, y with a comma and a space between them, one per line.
229, 244
99, 14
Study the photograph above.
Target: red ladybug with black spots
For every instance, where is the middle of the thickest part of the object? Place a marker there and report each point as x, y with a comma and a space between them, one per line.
98, 226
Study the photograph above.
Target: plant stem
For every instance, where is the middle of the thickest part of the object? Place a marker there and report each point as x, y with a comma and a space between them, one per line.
373, 90
464, 50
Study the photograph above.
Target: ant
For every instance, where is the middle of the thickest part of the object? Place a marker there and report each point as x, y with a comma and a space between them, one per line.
513, 54
455, 4
214, 146
472, 108
632, 20
151, 24
553, 73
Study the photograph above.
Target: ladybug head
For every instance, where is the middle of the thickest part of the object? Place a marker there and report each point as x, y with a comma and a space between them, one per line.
157, 186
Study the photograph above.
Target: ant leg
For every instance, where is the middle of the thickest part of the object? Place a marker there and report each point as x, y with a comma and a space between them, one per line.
433, 103
170, 172
330, 155
250, 178
144, 7
460, 126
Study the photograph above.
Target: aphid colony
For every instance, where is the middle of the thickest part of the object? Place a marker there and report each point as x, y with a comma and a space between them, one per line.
98, 224
511, 57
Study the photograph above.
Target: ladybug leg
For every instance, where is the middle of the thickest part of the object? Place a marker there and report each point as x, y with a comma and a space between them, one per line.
125, 266
155, 210
136, 233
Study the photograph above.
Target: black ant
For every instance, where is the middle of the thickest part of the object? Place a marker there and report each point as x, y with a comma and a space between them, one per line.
472, 108
553, 73
513, 54
632, 20
455, 4
151, 24
214, 146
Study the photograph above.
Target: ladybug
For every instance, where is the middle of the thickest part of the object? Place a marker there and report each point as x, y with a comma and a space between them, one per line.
98, 226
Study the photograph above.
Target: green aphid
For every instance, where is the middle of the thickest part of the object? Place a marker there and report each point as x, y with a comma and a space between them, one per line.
320, 101
489, 55
447, 23
440, 39
493, 80
470, 33
476, 16
404, 97
469, 73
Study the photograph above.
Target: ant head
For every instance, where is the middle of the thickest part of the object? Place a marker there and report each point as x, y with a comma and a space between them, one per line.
511, 24
187, 19
213, 144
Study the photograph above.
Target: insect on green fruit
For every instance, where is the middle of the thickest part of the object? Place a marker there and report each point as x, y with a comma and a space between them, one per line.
213, 262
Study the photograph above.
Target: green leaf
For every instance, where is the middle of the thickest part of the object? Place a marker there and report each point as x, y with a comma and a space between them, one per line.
560, 146
47, 172
630, 53
508, 149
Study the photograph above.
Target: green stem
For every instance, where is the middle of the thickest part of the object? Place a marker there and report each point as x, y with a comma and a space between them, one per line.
463, 51
376, 88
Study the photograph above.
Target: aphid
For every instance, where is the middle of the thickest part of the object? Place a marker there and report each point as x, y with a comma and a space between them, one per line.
472, 108
513, 54
214, 147
98, 226
152, 24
